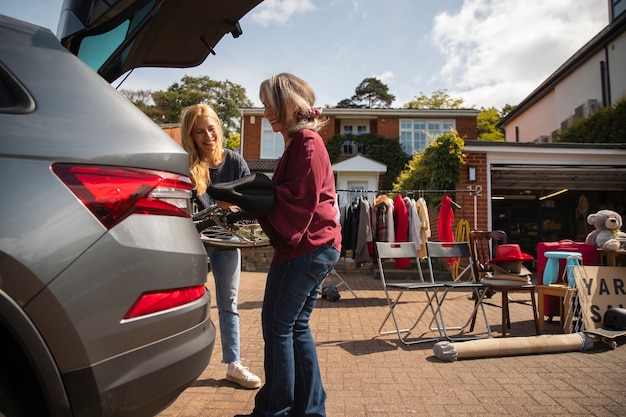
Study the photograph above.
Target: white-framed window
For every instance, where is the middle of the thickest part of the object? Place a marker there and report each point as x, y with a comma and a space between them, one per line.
272, 143
416, 134
353, 127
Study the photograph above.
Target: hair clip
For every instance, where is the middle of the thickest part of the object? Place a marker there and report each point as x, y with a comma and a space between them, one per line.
315, 112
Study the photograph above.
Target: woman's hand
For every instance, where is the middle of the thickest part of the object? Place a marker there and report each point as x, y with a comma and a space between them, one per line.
224, 205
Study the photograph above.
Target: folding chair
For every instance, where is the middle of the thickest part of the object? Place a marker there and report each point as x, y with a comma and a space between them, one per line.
484, 243
389, 252
343, 282
458, 252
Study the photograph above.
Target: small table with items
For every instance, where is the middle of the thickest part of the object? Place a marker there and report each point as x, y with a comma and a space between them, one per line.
566, 291
610, 258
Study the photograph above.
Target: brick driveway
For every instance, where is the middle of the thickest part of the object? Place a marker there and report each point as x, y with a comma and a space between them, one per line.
376, 376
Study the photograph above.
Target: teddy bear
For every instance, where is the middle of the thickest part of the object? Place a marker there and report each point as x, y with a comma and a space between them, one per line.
607, 234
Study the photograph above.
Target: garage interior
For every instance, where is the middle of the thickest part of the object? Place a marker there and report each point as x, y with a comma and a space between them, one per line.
535, 203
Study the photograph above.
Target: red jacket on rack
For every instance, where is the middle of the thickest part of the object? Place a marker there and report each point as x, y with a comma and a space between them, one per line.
401, 219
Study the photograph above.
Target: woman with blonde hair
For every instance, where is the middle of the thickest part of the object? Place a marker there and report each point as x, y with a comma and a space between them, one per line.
210, 162
304, 231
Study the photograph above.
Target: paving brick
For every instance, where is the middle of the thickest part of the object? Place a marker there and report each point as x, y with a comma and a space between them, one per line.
367, 375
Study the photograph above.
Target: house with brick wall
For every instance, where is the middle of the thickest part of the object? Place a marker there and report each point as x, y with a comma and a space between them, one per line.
508, 184
532, 191
356, 173
413, 128
355, 170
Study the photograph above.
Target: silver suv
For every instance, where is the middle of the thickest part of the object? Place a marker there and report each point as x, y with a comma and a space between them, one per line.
103, 305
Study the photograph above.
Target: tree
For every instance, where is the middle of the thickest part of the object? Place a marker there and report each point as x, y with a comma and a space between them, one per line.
440, 99
140, 98
370, 94
226, 98
487, 122
607, 125
347, 103
508, 108
232, 140
143, 100
435, 168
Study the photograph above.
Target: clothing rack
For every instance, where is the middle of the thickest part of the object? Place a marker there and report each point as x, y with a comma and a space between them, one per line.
408, 191
473, 193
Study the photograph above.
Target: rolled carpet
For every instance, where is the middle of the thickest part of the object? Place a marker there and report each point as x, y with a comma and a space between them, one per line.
511, 346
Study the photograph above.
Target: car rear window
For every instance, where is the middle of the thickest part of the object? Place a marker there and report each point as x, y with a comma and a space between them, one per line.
109, 49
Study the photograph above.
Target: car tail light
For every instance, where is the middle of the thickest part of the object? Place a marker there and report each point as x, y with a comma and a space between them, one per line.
152, 302
114, 193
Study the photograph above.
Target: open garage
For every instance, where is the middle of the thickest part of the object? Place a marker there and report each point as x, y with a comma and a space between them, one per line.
544, 191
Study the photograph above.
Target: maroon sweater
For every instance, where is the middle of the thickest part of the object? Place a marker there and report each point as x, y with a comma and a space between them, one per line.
304, 216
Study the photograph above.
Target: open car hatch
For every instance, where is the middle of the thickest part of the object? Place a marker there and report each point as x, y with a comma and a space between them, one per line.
114, 37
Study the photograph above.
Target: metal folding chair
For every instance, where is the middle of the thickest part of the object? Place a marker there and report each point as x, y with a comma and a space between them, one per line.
390, 252
442, 253
343, 282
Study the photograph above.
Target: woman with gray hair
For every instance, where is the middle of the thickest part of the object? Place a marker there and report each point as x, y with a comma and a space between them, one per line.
306, 236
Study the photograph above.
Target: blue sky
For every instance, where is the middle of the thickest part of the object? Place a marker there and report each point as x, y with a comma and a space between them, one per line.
487, 52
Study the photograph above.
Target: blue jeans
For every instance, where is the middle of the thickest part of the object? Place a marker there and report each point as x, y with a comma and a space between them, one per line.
226, 269
293, 383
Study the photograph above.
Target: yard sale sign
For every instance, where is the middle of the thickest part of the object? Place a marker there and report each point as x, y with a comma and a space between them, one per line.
599, 288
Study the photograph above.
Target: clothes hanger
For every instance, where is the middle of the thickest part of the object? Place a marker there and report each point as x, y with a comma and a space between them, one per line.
454, 203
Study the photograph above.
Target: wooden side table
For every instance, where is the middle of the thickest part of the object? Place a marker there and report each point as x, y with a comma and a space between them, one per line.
609, 258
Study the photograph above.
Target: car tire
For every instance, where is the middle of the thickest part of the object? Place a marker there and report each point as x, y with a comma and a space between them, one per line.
11, 402
20, 394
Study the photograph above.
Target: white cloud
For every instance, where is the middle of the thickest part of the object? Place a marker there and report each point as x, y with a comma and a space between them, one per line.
385, 77
280, 11
499, 51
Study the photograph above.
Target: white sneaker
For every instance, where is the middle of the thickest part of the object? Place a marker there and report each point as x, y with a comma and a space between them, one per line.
239, 374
